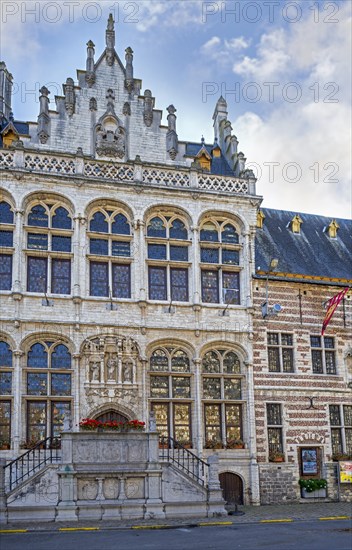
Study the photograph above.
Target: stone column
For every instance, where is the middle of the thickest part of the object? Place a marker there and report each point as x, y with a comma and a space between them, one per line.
144, 386
195, 264
75, 413
251, 430
67, 509
18, 266
215, 501
140, 275
76, 258
16, 419
198, 406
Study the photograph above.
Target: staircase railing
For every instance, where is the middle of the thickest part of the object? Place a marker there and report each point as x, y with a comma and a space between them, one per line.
21, 468
184, 459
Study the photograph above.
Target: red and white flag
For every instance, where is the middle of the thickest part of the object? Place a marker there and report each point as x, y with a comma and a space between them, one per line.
331, 306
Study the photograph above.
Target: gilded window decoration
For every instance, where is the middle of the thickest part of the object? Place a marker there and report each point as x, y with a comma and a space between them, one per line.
219, 246
170, 392
48, 381
49, 230
7, 227
168, 259
110, 254
222, 396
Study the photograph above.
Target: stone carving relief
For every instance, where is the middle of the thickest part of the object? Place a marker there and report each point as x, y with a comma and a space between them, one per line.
87, 489
110, 139
111, 488
134, 487
110, 368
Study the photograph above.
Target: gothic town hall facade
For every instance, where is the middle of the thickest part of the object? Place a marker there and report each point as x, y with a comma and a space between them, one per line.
138, 274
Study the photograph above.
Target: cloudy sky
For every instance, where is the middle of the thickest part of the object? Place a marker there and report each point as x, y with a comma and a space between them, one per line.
283, 67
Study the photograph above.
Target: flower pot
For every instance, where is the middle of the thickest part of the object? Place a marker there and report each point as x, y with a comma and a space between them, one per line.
318, 493
277, 459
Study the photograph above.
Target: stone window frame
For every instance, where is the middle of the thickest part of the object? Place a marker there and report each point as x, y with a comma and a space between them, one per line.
166, 264
322, 351
49, 398
339, 442
171, 402
281, 347
277, 427
5, 250
52, 257
110, 212
219, 268
223, 402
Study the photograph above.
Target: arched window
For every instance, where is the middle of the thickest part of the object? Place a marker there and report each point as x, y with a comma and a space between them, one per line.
167, 241
170, 393
48, 381
49, 273
222, 395
6, 371
6, 242
110, 257
219, 246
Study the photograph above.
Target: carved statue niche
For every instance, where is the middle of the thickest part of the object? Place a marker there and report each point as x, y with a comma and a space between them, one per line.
109, 132
128, 366
94, 371
111, 367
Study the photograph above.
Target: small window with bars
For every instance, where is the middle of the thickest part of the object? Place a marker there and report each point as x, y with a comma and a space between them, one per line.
323, 355
280, 352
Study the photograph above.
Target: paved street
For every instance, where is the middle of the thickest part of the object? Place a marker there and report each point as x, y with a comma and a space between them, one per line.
310, 535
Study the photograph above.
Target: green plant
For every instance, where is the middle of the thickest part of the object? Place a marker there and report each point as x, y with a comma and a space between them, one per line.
276, 455
311, 485
213, 444
4, 444
234, 444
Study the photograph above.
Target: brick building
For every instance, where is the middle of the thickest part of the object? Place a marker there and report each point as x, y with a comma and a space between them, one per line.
130, 283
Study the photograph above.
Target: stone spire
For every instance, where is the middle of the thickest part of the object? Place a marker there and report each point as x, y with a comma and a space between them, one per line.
129, 69
6, 79
110, 41
148, 108
70, 98
171, 136
90, 75
43, 118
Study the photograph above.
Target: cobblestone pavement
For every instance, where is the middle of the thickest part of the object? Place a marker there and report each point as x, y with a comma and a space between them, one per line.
321, 511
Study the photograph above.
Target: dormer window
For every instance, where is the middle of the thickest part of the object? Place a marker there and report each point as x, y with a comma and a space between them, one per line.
332, 229
295, 224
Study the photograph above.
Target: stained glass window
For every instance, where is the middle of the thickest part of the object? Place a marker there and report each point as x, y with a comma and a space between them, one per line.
37, 274
37, 241
232, 364
229, 234
232, 388
120, 225
157, 251
60, 276
210, 286
211, 362
38, 216
178, 253
5, 355
37, 383
230, 257
212, 418
209, 233
230, 286
59, 410
5, 421
60, 357
98, 223
121, 281
156, 228
120, 248
60, 384
159, 386
6, 238
99, 247
181, 386
274, 423
6, 214
5, 383
37, 357
60, 243
5, 272
233, 416
36, 415
61, 219
179, 284
157, 283
212, 388
99, 277
209, 255
159, 361
161, 411
180, 362
178, 230
182, 421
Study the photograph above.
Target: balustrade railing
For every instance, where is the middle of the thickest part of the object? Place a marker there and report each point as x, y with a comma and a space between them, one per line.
21, 468
184, 459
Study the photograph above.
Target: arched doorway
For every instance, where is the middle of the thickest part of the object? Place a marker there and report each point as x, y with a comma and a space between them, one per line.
111, 416
232, 488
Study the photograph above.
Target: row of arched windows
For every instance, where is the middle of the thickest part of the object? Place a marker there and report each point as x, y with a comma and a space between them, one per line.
111, 251
47, 382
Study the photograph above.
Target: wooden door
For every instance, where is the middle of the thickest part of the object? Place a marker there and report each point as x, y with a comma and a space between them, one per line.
232, 488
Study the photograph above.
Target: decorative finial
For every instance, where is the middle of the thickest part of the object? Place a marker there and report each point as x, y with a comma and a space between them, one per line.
111, 22
202, 140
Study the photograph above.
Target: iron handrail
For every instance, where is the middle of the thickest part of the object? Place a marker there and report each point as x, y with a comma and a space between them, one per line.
42, 453
184, 459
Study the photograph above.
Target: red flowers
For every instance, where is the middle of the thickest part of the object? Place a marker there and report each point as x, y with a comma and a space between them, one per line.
130, 425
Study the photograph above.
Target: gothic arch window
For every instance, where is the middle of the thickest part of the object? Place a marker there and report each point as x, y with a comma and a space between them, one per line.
220, 262
222, 397
49, 248
110, 255
168, 258
6, 392
7, 228
47, 377
170, 393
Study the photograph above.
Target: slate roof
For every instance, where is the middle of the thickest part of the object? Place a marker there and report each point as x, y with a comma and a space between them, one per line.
219, 165
312, 252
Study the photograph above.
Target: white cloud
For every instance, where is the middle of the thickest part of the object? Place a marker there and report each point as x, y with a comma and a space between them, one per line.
211, 46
